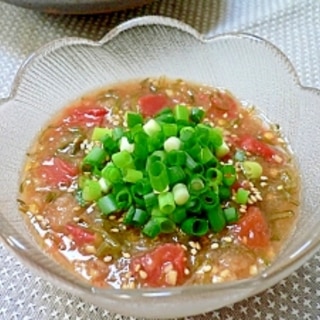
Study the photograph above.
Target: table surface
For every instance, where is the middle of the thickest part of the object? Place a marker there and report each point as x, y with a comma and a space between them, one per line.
292, 25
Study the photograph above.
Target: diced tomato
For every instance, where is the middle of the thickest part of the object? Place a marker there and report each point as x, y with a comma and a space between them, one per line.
259, 148
253, 229
55, 171
222, 104
164, 266
79, 235
87, 116
151, 103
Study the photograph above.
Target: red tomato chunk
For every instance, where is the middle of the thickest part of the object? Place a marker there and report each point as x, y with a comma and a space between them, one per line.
150, 104
253, 229
55, 171
164, 266
86, 116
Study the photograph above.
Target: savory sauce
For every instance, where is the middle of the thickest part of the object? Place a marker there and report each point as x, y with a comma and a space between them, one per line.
160, 237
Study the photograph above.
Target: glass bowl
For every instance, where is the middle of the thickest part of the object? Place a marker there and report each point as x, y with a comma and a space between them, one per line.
253, 69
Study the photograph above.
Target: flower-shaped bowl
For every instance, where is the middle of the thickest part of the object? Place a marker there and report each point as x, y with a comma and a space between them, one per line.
251, 68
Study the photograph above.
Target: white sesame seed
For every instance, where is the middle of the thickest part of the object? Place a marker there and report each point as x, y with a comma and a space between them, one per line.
186, 271
227, 239
280, 187
215, 245
114, 230
206, 268
253, 198
126, 255
258, 196
264, 178
253, 270
143, 274
107, 258
193, 251
263, 184
90, 249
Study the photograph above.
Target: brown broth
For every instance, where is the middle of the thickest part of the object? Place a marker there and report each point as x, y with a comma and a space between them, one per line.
106, 252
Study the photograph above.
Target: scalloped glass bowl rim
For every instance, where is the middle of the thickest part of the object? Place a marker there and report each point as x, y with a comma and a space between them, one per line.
274, 274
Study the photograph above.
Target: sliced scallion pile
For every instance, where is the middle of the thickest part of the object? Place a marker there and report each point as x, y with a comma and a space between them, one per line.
162, 173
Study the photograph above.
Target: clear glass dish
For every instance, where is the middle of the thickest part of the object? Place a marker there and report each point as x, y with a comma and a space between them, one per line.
251, 68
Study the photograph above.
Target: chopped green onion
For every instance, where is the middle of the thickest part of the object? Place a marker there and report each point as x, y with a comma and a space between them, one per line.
195, 226
151, 127
194, 150
140, 145
107, 204
150, 200
172, 143
111, 173
140, 217
169, 129
214, 176
155, 142
176, 158
166, 202
194, 205
216, 219
222, 150
91, 190
166, 225
98, 133
123, 199
202, 133
122, 159
109, 144
197, 185
133, 119
229, 174
224, 193
242, 196
215, 137
105, 185
158, 176
126, 145
142, 187
117, 133
166, 118
180, 194
210, 200
252, 169
127, 219
176, 174
188, 135
179, 215
197, 115
95, 158
206, 156
151, 228
132, 175
192, 165
181, 113
231, 214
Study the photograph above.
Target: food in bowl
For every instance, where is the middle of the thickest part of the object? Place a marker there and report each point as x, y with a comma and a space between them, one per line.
159, 182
